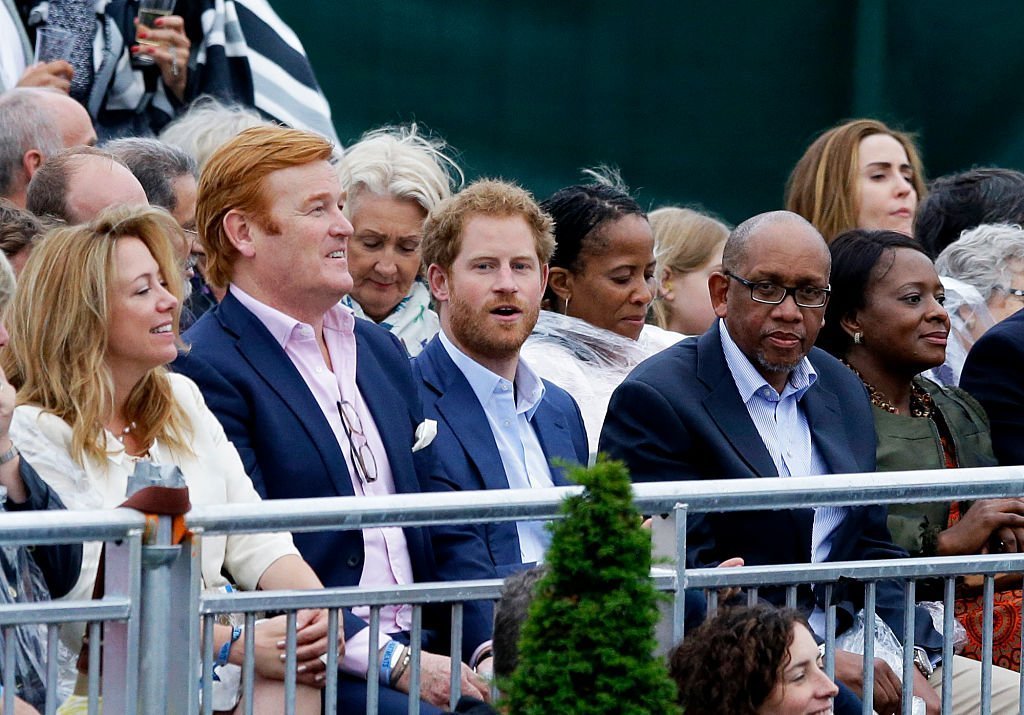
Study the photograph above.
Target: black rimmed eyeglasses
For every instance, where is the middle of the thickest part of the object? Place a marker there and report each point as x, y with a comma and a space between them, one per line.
773, 294
359, 448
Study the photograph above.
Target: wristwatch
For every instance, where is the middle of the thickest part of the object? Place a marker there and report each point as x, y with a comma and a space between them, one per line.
923, 662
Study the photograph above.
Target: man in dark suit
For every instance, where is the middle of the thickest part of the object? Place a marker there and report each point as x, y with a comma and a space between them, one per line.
317, 402
992, 375
753, 398
499, 424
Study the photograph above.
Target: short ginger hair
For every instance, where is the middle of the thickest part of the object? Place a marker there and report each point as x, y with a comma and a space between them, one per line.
442, 232
234, 179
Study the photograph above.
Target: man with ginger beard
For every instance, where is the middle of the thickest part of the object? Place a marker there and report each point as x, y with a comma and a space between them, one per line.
499, 424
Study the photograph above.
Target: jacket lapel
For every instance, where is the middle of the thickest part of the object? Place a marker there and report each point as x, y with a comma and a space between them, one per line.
389, 409
460, 408
266, 357
723, 403
555, 439
827, 429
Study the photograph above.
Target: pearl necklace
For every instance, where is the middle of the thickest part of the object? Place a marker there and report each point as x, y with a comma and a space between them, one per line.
921, 403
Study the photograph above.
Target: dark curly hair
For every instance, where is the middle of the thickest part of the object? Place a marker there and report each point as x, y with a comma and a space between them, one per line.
732, 662
580, 212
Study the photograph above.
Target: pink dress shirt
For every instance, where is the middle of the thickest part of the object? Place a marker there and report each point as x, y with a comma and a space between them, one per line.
387, 560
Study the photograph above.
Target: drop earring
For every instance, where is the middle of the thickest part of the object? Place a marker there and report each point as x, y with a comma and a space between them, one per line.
858, 338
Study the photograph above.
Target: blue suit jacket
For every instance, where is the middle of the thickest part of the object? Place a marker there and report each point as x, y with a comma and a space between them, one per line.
467, 458
992, 375
288, 447
679, 416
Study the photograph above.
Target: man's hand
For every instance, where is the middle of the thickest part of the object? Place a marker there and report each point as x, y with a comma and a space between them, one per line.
924, 690
435, 680
887, 688
725, 594
56, 74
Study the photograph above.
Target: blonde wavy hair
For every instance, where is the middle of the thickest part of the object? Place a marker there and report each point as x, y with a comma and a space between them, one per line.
59, 320
684, 240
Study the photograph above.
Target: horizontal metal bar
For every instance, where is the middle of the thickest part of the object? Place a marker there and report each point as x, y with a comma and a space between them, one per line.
349, 596
24, 528
107, 609
830, 572
348, 513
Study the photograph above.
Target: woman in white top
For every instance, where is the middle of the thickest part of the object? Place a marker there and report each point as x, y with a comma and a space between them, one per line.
93, 323
394, 176
602, 282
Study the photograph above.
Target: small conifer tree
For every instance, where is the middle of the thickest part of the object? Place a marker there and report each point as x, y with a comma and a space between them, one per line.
587, 646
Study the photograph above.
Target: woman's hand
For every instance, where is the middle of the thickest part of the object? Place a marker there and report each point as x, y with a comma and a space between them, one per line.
170, 51
10, 477
271, 640
1001, 520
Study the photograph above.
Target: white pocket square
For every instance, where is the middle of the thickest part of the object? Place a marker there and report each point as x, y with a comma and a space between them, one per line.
425, 433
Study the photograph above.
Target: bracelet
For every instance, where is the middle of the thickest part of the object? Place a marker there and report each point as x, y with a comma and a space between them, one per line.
399, 671
225, 650
486, 653
386, 661
9, 454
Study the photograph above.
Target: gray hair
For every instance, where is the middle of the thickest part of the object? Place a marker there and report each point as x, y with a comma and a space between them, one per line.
735, 251
156, 165
982, 257
517, 593
24, 125
7, 284
400, 163
208, 124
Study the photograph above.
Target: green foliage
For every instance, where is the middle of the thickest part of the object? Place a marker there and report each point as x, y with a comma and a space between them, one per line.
587, 646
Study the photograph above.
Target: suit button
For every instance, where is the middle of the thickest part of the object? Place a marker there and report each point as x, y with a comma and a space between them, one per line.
353, 561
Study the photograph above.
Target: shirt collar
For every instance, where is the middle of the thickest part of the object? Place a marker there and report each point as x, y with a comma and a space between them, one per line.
284, 327
529, 388
749, 380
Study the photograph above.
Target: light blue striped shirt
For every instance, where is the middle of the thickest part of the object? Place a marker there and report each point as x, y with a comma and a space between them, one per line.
510, 409
782, 423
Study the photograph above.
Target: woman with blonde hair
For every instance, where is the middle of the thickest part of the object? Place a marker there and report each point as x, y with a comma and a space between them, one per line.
688, 248
93, 324
858, 174
394, 177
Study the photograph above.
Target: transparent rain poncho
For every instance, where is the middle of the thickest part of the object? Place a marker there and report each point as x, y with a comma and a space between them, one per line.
23, 583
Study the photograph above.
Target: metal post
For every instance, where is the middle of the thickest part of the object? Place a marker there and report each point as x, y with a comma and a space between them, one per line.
159, 555
121, 639
182, 632
679, 615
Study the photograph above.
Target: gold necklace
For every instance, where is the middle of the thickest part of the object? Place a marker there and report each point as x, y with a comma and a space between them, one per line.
921, 403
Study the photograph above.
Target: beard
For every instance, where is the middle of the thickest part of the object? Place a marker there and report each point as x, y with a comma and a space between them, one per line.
473, 329
770, 366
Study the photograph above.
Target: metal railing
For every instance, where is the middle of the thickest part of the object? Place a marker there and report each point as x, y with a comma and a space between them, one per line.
169, 667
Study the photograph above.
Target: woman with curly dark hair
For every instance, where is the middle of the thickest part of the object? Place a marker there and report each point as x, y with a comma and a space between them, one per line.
752, 661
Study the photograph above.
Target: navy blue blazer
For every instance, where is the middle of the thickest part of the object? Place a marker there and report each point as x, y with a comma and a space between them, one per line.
288, 447
992, 375
467, 458
679, 416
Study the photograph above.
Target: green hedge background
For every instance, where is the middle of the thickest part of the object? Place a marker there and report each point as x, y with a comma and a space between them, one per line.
706, 103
